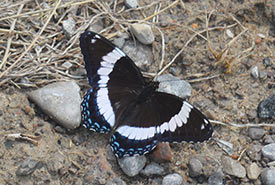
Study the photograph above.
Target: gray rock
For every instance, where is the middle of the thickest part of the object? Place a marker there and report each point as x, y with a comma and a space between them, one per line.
255, 71
172, 179
173, 85
61, 101
69, 26
96, 26
262, 74
209, 165
152, 169
268, 139
253, 171
195, 167
67, 65
116, 181
268, 151
131, 3
216, 178
256, 133
251, 115
119, 42
254, 152
267, 61
232, 167
266, 108
27, 167
143, 33
268, 176
141, 54
131, 166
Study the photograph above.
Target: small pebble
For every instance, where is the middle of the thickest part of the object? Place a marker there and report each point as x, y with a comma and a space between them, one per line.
261, 35
268, 176
141, 54
131, 3
254, 152
67, 65
256, 133
268, 139
268, 151
131, 166
216, 178
162, 153
258, 41
251, 115
195, 167
119, 42
266, 108
229, 33
27, 167
267, 61
152, 169
255, 72
96, 26
232, 167
116, 181
69, 26
143, 33
262, 74
172, 179
59, 129
174, 85
253, 171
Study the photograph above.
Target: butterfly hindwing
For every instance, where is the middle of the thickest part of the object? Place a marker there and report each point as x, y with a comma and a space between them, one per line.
162, 118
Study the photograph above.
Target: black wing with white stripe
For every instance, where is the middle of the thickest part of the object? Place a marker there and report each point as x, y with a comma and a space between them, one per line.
121, 99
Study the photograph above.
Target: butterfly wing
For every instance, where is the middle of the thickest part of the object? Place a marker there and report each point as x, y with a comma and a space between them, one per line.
114, 78
165, 118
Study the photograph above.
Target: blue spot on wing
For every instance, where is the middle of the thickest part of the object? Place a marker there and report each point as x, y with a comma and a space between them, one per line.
91, 118
122, 146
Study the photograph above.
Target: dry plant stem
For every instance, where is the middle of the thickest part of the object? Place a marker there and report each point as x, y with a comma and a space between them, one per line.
239, 158
242, 125
202, 79
271, 163
6, 55
46, 10
33, 42
157, 13
3, 30
27, 137
162, 48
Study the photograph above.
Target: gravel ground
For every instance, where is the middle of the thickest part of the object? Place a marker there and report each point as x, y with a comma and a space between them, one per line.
228, 91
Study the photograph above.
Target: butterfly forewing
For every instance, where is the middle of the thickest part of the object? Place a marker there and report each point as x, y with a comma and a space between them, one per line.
114, 79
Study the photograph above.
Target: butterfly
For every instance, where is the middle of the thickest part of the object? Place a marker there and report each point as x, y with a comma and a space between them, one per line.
123, 102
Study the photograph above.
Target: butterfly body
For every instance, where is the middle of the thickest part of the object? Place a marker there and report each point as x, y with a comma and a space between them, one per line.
123, 101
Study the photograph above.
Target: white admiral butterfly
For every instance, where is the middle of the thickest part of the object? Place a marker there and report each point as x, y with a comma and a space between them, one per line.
123, 101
